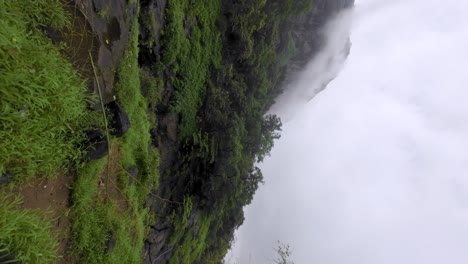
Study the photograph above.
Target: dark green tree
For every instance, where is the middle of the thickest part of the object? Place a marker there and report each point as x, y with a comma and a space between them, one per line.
271, 128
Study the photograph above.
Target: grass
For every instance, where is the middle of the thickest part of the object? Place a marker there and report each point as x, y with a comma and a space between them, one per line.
95, 217
43, 116
25, 234
95, 220
43, 111
193, 243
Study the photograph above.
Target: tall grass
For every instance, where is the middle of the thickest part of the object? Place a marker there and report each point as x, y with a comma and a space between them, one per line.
25, 234
42, 106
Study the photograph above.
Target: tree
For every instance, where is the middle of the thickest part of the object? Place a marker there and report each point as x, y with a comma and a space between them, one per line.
271, 128
283, 254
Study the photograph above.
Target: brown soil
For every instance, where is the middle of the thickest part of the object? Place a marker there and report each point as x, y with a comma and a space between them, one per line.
51, 196
109, 188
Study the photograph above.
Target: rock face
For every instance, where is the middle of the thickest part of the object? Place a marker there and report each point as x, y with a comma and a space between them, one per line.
154, 244
108, 21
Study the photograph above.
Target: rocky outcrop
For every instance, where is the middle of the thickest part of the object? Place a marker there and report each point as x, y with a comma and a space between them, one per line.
109, 22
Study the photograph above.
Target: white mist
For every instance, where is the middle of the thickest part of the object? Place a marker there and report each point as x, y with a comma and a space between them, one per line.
374, 169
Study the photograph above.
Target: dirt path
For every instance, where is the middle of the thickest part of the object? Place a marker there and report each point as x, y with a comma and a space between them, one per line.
51, 197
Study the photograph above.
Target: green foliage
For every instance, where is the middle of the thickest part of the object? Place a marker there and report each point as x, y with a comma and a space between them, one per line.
191, 48
25, 234
179, 220
150, 24
90, 225
223, 127
136, 146
193, 243
271, 128
42, 100
286, 54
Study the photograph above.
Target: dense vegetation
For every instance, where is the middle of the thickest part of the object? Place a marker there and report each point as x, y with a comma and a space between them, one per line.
224, 60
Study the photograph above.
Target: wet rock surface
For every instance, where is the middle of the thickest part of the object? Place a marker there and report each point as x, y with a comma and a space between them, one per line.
100, 30
108, 20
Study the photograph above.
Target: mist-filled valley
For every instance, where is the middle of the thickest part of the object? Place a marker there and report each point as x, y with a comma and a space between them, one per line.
373, 169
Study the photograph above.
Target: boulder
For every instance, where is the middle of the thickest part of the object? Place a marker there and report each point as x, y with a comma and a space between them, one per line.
118, 119
97, 144
6, 178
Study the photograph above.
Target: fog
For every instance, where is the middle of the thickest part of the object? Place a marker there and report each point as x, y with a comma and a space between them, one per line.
322, 68
374, 169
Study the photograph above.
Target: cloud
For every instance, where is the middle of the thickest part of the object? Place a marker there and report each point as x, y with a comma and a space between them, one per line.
374, 169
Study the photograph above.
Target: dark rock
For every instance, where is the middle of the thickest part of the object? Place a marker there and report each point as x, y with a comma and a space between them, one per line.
6, 257
119, 120
98, 5
110, 243
157, 248
6, 178
133, 172
97, 144
151, 11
